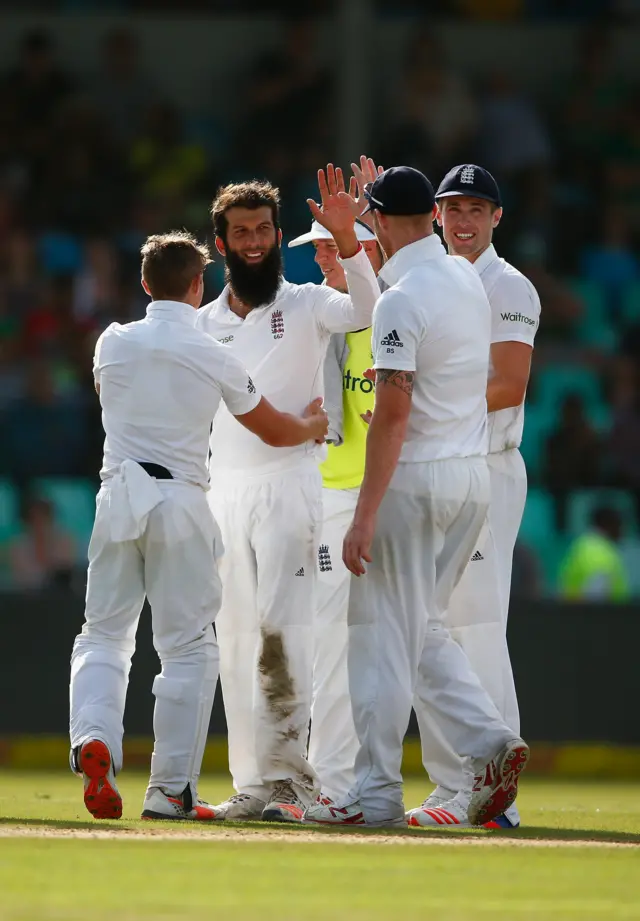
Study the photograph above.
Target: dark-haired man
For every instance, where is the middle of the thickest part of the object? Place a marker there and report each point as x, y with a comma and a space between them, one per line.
269, 502
469, 210
420, 511
160, 383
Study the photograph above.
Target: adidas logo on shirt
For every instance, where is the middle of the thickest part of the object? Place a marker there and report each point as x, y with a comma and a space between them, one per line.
324, 559
476, 557
392, 341
300, 572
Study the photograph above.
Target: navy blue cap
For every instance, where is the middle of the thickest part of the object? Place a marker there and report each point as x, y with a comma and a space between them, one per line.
472, 181
400, 190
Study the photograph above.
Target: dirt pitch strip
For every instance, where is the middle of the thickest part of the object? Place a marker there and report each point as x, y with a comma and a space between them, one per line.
419, 839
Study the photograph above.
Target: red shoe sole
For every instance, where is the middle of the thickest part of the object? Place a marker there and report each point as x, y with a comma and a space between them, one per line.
100, 798
497, 798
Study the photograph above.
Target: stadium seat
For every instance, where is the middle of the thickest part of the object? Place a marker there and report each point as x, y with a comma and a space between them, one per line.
9, 511
74, 501
538, 423
596, 328
582, 502
538, 532
555, 382
630, 550
630, 307
593, 297
538, 521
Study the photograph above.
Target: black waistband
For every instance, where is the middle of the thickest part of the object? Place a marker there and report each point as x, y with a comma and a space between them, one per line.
156, 470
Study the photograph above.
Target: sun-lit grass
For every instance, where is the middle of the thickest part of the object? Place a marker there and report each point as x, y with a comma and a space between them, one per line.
225, 877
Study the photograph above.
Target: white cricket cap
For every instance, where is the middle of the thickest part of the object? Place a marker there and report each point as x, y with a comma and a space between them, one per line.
318, 232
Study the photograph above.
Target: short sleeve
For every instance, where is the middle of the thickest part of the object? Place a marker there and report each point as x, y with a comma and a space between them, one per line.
515, 310
397, 333
238, 390
99, 352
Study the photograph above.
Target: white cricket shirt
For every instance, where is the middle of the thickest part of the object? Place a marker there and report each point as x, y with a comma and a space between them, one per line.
161, 382
515, 316
435, 320
283, 345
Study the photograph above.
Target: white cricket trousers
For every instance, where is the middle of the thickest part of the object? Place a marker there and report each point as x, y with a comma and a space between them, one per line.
477, 617
427, 526
270, 526
173, 563
333, 741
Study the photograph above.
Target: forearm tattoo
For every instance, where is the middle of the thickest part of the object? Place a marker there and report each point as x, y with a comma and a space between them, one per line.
401, 379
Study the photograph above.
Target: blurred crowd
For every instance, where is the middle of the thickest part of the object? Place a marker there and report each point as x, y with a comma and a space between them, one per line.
91, 163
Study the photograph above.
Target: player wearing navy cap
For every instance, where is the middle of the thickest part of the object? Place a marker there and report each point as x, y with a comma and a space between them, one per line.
419, 515
469, 210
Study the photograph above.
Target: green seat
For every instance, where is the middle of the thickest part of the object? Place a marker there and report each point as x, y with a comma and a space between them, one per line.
593, 297
630, 307
538, 521
538, 423
538, 532
9, 511
555, 382
74, 502
582, 503
596, 327
630, 550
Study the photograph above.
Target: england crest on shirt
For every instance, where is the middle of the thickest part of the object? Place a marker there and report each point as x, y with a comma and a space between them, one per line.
277, 324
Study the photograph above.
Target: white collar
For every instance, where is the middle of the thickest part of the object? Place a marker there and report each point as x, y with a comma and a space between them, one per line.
485, 259
223, 299
174, 311
426, 248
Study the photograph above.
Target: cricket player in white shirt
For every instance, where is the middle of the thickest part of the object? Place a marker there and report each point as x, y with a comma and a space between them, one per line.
268, 501
348, 402
421, 508
469, 209
160, 383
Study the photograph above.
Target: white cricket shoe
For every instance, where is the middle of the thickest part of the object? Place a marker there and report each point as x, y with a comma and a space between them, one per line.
496, 787
438, 797
452, 814
241, 807
161, 805
101, 795
284, 805
325, 812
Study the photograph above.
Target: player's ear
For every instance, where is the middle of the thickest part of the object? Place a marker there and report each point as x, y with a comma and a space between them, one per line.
220, 246
146, 287
497, 217
279, 237
438, 216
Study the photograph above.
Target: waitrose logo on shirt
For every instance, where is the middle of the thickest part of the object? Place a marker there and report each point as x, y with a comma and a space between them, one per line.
518, 318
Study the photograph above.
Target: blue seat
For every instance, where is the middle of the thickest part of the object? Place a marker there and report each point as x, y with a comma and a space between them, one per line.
582, 503
596, 327
74, 502
9, 511
538, 532
538, 423
630, 307
630, 550
555, 382
538, 521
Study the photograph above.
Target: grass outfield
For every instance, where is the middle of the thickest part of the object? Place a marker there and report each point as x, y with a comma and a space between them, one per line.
578, 857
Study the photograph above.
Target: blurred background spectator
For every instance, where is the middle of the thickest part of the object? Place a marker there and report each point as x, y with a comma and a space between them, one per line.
111, 131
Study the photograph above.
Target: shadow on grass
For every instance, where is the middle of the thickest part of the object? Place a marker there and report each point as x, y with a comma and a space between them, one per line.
529, 833
62, 824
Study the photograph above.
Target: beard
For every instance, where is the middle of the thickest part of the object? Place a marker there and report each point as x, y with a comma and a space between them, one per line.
254, 285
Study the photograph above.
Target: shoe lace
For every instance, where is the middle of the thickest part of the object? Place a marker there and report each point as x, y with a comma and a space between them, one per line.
283, 792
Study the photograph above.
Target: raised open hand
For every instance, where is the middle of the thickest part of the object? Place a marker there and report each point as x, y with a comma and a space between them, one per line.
336, 212
366, 172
